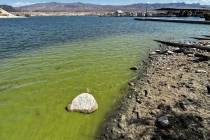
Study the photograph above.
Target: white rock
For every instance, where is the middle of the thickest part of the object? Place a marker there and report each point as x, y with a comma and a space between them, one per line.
190, 55
170, 52
201, 71
84, 103
153, 53
158, 51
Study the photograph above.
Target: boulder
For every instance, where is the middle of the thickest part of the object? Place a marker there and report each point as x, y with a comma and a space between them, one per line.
84, 103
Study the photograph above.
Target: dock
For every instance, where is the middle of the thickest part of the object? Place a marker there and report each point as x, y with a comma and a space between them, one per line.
174, 20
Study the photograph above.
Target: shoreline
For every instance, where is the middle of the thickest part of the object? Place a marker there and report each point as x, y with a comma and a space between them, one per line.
167, 99
121, 105
11, 17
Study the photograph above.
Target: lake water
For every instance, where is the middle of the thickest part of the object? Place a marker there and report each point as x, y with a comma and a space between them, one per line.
46, 61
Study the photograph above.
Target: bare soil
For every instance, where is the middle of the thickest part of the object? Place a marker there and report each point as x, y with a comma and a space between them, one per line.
169, 99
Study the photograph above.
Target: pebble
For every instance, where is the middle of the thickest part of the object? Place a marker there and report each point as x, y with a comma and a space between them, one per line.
158, 51
153, 53
138, 100
182, 106
146, 93
122, 123
163, 121
178, 50
201, 71
170, 52
131, 84
190, 55
208, 89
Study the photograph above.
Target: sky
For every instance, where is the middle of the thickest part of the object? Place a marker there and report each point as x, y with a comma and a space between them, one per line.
103, 2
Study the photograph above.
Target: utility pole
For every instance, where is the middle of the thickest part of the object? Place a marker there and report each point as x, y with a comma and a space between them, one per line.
146, 14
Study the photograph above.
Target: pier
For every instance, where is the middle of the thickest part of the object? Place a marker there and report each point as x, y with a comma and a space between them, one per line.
174, 20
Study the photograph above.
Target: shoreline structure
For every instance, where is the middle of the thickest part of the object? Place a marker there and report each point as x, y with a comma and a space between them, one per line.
174, 20
168, 99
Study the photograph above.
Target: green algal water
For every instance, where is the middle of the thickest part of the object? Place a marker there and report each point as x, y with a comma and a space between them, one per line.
47, 61
36, 86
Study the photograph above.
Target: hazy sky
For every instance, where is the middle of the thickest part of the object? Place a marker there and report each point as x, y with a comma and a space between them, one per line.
114, 2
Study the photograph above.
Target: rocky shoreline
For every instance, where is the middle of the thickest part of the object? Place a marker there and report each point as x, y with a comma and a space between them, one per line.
169, 99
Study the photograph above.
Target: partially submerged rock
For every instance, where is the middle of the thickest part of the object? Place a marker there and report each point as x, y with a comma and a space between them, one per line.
84, 103
157, 51
134, 68
152, 53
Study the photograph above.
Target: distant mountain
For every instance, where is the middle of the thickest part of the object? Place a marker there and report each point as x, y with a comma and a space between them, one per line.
84, 7
8, 8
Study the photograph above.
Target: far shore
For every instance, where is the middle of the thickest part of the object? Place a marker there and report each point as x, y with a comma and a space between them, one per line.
57, 13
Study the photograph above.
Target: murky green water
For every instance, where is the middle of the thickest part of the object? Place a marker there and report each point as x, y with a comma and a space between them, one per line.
37, 84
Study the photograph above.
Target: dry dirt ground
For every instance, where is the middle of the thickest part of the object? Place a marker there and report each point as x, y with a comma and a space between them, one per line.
168, 100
